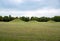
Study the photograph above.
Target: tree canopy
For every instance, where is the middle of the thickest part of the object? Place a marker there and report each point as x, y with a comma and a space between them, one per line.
26, 19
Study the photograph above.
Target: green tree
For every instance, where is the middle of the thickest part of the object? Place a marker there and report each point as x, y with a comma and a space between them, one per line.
1, 18
26, 19
43, 19
34, 18
6, 18
56, 18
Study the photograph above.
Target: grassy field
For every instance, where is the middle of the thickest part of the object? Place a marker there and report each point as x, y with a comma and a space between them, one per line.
29, 31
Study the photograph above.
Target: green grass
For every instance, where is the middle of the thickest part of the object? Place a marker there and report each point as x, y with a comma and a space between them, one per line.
29, 31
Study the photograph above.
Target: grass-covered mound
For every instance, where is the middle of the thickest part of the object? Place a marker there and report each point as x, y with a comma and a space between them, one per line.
16, 20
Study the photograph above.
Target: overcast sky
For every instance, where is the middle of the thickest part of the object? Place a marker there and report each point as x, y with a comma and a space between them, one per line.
48, 8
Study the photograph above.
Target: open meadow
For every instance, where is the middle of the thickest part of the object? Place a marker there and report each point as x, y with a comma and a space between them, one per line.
29, 31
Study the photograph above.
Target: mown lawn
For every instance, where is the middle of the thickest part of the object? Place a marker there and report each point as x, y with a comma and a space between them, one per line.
29, 31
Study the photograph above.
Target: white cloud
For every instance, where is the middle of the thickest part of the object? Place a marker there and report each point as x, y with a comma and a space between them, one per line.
32, 0
38, 13
36, 0
15, 1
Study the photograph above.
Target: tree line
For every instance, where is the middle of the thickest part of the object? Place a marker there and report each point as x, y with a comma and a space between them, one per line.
27, 19
6, 18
